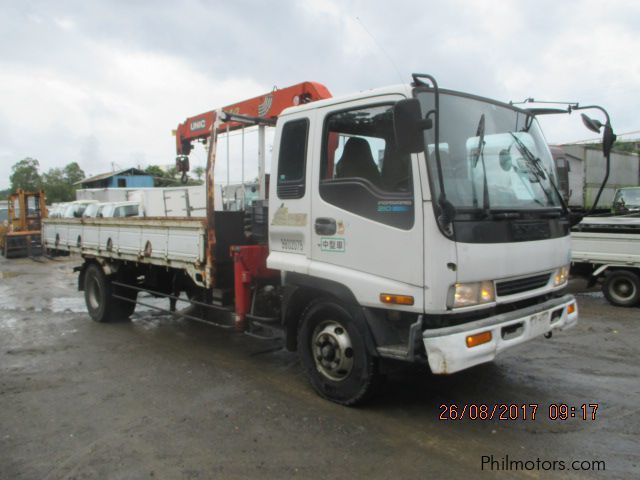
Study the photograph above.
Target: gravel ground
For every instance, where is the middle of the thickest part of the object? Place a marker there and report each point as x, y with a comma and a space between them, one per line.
159, 397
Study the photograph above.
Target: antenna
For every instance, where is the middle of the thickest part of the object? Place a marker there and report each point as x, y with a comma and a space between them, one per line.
395, 67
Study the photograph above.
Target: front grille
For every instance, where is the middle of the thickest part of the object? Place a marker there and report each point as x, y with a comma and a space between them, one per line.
511, 287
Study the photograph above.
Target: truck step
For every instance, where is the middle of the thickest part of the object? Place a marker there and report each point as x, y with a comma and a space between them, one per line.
398, 352
263, 331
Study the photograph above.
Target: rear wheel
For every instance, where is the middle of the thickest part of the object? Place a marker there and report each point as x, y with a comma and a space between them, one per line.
98, 295
622, 288
333, 353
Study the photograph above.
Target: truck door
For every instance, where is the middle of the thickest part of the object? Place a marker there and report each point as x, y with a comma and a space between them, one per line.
366, 225
289, 195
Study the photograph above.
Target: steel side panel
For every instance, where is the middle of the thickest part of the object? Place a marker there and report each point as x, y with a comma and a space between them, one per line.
172, 241
183, 245
618, 248
73, 231
129, 240
91, 237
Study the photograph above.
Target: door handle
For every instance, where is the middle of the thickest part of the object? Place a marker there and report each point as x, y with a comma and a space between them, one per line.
325, 226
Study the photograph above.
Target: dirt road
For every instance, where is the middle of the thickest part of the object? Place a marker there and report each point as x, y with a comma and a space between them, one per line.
159, 397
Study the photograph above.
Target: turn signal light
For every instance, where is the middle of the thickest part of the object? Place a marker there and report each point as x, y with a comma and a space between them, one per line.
396, 299
571, 308
478, 339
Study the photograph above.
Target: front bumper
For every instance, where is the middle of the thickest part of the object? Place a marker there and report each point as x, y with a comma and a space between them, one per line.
447, 349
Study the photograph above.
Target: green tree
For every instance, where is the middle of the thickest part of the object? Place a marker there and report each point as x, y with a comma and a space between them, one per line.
25, 175
56, 187
199, 172
154, 171
59, 183
163, 178
73, 173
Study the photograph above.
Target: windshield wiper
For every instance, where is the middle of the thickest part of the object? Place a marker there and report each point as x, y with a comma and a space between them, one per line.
479, 154
536, 168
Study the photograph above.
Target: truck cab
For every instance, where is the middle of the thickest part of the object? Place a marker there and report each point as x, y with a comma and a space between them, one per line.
447, 254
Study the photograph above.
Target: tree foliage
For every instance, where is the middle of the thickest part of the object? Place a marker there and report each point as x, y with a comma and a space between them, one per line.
25, 175
199, 172
162, 178
57, 183
73, 173
626, 146
168, 178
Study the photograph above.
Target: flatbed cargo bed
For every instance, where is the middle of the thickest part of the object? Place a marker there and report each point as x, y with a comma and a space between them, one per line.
607, 240
163, 241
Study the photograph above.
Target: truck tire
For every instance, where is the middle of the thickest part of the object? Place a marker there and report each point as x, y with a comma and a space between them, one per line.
125, 308
98, 296
333, 354
622, 288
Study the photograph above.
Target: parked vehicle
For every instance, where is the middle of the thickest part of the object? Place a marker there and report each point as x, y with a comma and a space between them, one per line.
369, 248
606, 249
22, 234
92, 210
158, 202
626, 200
120, 209
57, 209
76, 209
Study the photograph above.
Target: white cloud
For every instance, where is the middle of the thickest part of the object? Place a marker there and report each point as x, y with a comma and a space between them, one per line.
102, 82
125, 116
65, 23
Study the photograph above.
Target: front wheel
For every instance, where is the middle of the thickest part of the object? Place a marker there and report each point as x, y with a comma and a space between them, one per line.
622, 288
333, 354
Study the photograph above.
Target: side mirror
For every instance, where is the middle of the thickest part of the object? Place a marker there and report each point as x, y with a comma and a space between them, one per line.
608, 137
408, 126
591, 124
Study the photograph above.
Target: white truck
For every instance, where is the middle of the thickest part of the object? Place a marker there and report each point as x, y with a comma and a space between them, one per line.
391, 234
607, 248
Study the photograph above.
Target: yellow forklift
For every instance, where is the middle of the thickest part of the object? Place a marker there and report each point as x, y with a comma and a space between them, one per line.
21, 233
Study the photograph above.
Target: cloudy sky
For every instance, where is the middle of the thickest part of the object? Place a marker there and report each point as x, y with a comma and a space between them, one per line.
102, 82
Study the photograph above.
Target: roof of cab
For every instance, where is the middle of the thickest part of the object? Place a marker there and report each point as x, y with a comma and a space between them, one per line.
400, 89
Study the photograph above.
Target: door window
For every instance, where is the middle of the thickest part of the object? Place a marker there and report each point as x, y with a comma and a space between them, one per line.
292, 159
362, 171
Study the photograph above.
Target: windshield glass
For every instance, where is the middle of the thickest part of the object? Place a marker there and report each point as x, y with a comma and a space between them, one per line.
493, 157
91, 210
628, 197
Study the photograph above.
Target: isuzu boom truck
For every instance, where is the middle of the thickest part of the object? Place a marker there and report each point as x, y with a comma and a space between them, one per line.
404, 224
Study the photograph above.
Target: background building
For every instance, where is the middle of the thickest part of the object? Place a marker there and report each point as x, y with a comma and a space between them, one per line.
127, 178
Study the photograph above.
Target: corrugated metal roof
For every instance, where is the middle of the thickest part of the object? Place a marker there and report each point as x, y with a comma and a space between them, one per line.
103, 176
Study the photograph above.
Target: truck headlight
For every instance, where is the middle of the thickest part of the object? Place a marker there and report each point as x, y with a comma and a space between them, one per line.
561, 276
469, 294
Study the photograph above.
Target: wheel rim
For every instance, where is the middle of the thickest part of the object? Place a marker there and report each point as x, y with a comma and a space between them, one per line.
95, 293
332, 350
622, 290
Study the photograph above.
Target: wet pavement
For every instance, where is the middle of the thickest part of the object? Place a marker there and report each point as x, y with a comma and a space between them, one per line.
160, 397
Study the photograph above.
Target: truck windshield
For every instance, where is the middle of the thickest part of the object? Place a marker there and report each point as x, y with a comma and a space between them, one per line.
627, 197
493, 157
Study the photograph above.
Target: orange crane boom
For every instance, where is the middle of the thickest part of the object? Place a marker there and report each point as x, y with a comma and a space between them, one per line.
267, 106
